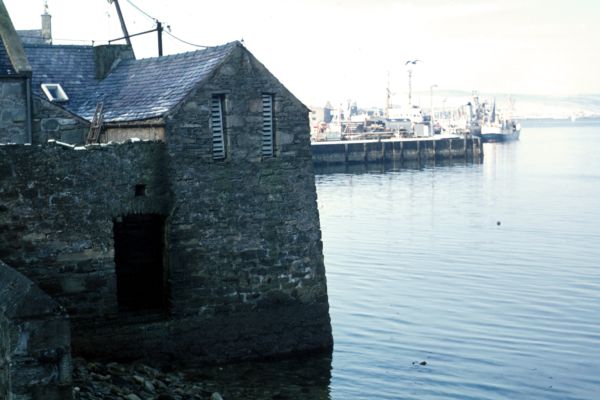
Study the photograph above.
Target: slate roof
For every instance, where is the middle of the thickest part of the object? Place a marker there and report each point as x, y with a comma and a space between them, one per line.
148, 88
134, 90
31, 36
6, 67
71, 66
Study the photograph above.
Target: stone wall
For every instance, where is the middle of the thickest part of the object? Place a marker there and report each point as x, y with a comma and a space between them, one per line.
245, 231
57, 207
13, 110
51, 122
35, 356
243, 263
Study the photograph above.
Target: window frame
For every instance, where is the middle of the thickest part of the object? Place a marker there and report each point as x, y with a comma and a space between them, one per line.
48, 88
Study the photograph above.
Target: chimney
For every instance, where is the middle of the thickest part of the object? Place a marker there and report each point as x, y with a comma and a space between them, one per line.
108, 56
46, 25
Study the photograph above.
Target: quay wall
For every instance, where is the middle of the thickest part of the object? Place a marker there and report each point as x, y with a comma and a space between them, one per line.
397, 150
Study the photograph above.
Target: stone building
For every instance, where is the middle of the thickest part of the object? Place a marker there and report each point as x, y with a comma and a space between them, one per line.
168, 205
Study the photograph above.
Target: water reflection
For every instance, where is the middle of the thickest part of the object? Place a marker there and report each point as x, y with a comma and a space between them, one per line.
381, 168
294, 378
418, 269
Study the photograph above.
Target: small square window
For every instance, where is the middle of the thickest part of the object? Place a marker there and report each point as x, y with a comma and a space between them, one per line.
140, 190
54, 92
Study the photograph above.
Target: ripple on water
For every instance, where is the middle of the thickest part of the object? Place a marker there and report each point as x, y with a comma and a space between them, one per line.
419, 269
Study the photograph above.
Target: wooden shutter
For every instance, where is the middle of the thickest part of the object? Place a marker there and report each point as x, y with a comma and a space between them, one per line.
218, 127
268, 132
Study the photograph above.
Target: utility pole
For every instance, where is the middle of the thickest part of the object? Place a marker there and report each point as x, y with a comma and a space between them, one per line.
122, 21
159, 30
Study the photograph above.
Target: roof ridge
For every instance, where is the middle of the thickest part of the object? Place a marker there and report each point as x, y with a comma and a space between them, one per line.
134, 89
187, 53
56, 46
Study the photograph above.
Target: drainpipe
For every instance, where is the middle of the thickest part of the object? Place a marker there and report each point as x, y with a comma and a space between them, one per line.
29, 107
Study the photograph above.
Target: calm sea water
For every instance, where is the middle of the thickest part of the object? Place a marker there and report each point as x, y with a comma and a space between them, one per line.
489, 273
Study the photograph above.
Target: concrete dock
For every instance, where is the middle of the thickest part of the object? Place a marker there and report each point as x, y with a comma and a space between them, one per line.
398, 150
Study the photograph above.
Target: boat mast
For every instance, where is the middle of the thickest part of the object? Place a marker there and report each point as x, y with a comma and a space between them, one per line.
388, 98
409, 87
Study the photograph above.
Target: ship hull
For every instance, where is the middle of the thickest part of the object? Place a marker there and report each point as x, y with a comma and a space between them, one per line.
504, 136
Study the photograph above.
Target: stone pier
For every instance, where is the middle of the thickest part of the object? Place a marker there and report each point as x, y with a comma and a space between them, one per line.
397, 150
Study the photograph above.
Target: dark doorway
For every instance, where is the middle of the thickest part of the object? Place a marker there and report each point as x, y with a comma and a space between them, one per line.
139, 261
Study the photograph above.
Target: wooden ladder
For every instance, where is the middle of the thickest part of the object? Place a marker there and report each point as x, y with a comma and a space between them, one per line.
96, 127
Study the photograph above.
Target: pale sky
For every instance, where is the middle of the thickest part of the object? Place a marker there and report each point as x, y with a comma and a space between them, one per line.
337, 50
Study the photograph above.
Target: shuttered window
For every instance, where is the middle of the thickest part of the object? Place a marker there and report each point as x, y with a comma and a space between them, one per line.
217, 120
268, 129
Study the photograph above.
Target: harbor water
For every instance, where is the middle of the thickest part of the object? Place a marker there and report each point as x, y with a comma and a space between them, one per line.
462, 281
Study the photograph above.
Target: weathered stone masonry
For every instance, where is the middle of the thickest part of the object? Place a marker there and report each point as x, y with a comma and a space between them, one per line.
243, 265
35, 356
13, 111
50, 122
53, 123
56, 212
245, 272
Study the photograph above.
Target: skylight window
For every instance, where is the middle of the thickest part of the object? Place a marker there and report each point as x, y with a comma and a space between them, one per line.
54, 92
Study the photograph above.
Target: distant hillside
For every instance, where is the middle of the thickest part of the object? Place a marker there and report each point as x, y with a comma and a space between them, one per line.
525, 106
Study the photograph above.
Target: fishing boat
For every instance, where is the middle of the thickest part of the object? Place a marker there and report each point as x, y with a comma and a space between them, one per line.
503, 131
491, 127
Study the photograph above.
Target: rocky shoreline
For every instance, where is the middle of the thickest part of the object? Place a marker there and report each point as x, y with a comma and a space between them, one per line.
295, 378
116, 381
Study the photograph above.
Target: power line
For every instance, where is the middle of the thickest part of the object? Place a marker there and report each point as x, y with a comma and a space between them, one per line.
185, 41
92, 41
59, 39
142, 11
168, 32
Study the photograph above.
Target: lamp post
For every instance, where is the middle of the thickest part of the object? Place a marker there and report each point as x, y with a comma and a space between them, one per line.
410, 63
431, 106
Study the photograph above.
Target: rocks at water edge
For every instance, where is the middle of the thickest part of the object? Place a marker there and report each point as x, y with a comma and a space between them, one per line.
115, 381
